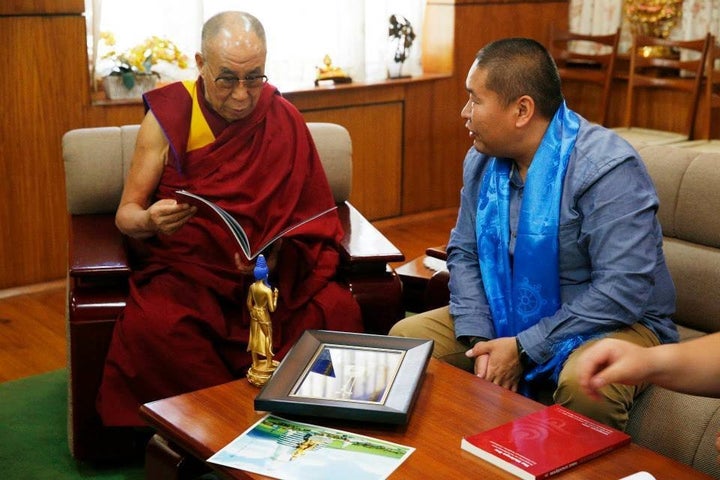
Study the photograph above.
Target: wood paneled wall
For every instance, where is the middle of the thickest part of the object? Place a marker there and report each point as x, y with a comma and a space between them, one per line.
43, 7
470, 24
391, 127
377, 159
45, 91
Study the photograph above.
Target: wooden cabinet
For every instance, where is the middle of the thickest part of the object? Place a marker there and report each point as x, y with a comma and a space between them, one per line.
373, 114
377, 154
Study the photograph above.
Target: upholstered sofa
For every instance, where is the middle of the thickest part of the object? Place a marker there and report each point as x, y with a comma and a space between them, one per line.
679, 426
682, 426
96, 163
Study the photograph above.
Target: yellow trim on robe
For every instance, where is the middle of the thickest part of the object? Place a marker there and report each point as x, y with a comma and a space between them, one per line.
200, 133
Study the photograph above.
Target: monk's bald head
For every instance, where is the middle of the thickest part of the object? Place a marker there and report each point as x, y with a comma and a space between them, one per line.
230, 28
232, 58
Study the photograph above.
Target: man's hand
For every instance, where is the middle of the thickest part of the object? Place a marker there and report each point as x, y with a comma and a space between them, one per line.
497, 361
167, 216
612, 361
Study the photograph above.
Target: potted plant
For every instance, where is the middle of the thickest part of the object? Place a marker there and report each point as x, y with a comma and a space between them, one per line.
401, 35
132, 71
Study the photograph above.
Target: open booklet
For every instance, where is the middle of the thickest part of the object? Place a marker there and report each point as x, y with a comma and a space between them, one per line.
211, 210
286, 449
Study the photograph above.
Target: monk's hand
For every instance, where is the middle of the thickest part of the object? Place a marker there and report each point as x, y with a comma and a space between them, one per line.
273, 254
271, 258
501, 364
166, 216
244, 267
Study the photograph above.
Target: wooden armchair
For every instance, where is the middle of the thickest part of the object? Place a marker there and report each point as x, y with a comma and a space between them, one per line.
711, 104
587, 59
96, 163
680, 69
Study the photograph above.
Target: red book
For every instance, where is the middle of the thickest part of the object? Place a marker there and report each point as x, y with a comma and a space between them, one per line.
544, 443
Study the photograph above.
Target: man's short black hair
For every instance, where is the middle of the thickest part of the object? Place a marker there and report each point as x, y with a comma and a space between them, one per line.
522, 66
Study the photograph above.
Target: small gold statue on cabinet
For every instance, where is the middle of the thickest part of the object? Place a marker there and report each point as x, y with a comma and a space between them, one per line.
261, 301
331, 73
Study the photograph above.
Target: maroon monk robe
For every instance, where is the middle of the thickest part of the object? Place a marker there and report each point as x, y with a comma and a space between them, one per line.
185, 326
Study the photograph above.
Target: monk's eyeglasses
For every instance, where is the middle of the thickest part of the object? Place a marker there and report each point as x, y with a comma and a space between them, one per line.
229, 83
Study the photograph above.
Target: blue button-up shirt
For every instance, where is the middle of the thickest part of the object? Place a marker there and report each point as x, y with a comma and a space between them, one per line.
612, 268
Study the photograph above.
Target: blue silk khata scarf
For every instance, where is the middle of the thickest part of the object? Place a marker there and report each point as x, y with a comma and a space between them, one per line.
519, 295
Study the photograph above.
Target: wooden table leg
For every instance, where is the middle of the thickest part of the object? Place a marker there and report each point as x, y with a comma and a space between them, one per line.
165, 461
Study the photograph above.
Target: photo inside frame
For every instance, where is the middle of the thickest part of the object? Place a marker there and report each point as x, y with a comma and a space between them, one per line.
349, 373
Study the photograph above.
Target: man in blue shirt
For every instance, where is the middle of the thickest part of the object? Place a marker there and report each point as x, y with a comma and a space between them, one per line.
556, 244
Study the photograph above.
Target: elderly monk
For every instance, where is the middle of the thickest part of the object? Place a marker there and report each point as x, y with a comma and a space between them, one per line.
232, 138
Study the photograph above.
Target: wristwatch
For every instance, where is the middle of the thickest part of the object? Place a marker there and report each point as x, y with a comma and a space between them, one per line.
522, 354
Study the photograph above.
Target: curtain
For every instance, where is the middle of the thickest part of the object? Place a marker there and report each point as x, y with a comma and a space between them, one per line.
604, 16
354, 33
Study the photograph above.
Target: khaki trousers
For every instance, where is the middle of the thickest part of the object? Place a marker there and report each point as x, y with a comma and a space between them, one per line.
612, 409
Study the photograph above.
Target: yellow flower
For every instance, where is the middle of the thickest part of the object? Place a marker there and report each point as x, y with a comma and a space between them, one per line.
141, 57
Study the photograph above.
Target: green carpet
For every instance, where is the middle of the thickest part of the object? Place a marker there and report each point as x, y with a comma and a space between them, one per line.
33, 434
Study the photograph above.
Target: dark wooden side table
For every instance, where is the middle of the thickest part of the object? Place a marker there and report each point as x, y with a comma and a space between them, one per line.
417, 278
451, 404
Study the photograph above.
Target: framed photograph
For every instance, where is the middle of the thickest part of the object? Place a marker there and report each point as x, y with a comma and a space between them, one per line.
350, 376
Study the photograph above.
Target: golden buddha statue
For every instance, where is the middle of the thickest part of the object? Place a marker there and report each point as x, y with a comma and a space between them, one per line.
331, 73
261, 301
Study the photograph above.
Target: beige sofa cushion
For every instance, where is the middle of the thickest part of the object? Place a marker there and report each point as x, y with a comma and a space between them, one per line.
695, 270
682, 427
687, 183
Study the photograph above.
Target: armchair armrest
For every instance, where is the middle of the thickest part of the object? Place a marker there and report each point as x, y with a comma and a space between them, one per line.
364, 257
363, 244
437, 252
97, 247
437, 293
98, 268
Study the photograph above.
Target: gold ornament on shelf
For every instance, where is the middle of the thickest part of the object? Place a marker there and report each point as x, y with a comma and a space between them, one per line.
331, 73
654, 18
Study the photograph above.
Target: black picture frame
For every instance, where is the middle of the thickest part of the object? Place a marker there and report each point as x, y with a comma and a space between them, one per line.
399, 362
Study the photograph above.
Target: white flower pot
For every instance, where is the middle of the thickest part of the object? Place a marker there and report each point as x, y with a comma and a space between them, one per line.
116, 90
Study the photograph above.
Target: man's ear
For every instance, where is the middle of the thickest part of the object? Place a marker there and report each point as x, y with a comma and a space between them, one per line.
525, 110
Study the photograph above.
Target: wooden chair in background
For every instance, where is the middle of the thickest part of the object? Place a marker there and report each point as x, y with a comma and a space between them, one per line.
682, 71
710, 101
588, 59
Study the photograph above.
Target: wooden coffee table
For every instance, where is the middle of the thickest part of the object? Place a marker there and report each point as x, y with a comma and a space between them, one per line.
451, 404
